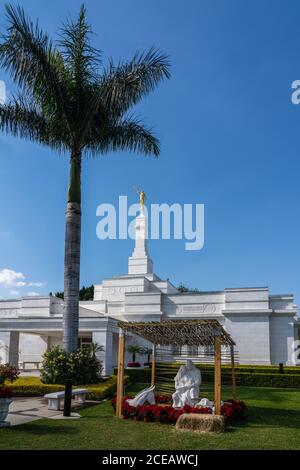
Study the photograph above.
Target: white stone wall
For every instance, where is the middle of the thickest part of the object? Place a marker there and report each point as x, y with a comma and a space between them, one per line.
9, 308
32, 347
251, 334
200, 305
256, 298
145, 303
282, 342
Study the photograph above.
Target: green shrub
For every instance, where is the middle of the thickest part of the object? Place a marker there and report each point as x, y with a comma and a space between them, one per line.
32, 386
80, 366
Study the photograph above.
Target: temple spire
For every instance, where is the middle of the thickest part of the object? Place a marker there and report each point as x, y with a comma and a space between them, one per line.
140, 262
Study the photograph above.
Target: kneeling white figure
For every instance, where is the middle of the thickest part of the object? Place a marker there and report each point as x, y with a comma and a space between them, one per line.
187, 383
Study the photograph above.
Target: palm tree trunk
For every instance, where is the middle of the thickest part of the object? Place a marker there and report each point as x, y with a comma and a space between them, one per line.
72, 256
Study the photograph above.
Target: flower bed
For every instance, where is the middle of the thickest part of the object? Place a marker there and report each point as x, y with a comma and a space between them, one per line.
163, 411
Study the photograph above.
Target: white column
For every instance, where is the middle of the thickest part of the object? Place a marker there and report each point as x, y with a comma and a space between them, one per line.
13, 354
4, 346
105, 339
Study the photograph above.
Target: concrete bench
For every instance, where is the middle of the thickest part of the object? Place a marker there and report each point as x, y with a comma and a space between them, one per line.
56, 399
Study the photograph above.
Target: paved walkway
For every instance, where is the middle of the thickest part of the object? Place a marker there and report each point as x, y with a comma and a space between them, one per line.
24, 410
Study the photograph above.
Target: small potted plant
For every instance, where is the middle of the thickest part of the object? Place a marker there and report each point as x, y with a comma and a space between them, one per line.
9, 373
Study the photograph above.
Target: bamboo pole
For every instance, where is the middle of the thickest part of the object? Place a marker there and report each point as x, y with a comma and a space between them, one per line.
217, 398
120, 377
153, 365
234, 393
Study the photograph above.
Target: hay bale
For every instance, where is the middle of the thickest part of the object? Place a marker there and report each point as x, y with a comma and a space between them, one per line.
200, 423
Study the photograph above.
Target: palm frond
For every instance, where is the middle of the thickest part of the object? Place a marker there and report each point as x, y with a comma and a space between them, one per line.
22, 119
79, 55
82, 61
125, 84
129, 134
35, 66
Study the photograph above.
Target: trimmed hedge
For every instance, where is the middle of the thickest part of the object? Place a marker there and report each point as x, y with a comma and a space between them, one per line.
294, 370
251, 369
256, 379
33, 387
256, 376
137, 375
269, 380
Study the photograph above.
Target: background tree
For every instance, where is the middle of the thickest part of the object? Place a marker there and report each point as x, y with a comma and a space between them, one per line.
134, 349
148, 353
70, 102
183, 288
95, 348
85, 293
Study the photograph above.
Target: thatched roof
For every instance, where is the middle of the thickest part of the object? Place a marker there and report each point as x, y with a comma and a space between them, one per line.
179, 332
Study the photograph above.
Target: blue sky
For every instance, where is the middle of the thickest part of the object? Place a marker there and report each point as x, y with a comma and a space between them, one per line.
230, 138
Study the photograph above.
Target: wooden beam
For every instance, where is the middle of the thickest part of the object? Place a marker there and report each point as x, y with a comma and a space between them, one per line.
120, 377
217, 398
153, 365
234, 393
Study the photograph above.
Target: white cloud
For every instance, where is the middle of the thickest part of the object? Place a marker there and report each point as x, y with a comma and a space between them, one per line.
33, 294
11, 278
8, 277
2, 92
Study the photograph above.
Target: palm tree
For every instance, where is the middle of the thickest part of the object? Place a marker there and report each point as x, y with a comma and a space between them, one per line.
95, 348
68, 101
134, 350
148, 353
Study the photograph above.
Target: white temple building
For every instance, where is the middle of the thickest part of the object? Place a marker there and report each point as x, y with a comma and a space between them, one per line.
264, 326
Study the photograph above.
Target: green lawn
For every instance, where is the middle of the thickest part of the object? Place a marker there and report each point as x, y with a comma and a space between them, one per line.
273, 423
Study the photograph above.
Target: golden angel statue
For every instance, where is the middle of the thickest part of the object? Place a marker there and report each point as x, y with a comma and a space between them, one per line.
142, 196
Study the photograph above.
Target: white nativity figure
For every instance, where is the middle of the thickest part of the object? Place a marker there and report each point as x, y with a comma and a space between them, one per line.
206, 403
187, 383
145, 395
